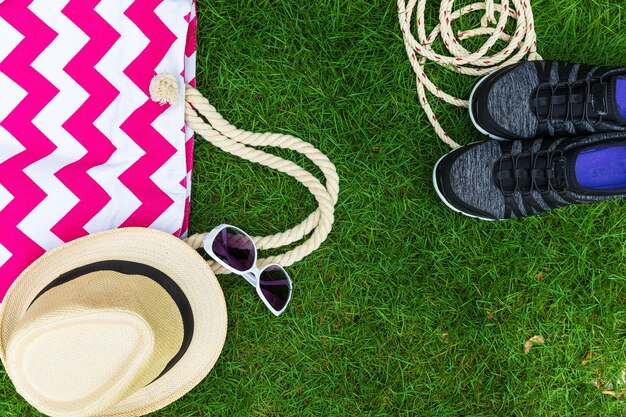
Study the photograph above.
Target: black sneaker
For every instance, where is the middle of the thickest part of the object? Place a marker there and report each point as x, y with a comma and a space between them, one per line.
550, 99
498, 180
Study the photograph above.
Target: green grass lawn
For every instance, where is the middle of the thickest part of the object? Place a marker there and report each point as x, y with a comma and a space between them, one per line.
409, 309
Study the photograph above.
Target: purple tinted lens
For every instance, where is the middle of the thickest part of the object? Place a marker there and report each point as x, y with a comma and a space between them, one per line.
275, 286
235, 249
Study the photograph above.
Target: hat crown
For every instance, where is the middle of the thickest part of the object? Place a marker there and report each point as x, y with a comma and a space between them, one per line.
86, 345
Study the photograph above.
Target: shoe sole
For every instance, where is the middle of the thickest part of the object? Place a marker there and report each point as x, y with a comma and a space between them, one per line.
443, 199
471, 99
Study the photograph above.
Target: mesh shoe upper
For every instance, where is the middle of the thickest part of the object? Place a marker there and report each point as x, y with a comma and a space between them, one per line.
512, 179
548, 99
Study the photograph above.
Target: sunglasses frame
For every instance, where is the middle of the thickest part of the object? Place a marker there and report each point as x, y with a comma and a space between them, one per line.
252, 275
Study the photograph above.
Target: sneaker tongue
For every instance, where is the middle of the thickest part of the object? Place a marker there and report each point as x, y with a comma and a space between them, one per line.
561, 168
600, 98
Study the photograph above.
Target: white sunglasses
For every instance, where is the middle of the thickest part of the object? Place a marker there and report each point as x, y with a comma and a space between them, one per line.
232, 248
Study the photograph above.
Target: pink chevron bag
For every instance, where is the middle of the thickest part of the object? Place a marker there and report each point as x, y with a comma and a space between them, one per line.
85, 146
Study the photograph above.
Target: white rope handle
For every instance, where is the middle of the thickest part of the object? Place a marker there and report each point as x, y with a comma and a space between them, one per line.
202, 117
523, 42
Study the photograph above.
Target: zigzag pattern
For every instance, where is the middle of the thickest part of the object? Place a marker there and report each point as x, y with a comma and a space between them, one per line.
168, 131
139, 125
131, 43
92, 197
190, 76
82, 147
39, 92
12, 95
60, 200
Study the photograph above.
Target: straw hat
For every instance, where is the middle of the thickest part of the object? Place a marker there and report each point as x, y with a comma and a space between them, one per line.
119, 323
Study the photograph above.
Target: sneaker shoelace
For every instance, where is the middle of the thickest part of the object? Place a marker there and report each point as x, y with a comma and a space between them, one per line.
579, 102
526, 172
541, 171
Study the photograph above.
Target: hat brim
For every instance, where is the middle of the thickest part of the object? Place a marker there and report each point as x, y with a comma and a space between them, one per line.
161, 251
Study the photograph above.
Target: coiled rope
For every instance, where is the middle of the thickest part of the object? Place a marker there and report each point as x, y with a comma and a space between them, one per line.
202, 117
523, 42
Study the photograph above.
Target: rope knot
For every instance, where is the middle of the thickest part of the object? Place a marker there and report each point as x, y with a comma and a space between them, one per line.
164, 89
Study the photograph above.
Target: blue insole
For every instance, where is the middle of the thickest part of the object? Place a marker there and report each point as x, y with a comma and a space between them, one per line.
620, 95
602, 169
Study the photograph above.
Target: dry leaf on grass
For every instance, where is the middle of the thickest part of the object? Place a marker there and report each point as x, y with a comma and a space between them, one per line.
614, 389
614, 394
535, 340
